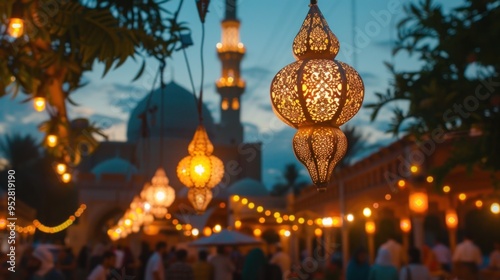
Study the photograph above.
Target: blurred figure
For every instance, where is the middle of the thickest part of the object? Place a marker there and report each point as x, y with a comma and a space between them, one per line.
120, 255
414, 269
222, 264
180, 270
282, 260
254, 267
143, 259
202, 269
238, 260
430, 261
129, 262
395, 251
383, 269
495, 258
66, 263
41, 264
24, 270
358, 267
102, 270
443, 255
155, 269
467, 259
95, 257
333, 270
82, 263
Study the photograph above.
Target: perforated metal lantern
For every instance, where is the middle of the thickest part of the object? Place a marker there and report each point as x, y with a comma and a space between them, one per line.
317, 94
159, 194
200, 170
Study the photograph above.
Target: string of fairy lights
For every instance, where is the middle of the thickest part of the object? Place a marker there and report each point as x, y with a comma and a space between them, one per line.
37, 225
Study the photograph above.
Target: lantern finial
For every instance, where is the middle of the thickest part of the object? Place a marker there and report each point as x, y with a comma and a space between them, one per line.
315, 39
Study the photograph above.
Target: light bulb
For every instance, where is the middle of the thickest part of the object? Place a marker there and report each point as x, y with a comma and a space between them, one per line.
52, 140
16, 27
39, 104
66, 178
61, 168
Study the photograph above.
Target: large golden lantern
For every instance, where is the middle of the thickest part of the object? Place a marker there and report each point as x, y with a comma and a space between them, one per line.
317, 94
159, 194
200, 171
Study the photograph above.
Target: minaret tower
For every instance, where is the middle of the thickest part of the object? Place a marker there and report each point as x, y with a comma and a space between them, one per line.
230, 85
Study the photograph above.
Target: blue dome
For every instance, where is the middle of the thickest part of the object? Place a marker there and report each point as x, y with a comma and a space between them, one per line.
115, 165
180, 115
248, 187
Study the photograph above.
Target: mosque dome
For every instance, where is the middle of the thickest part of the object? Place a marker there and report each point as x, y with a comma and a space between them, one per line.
248, 187
115, 165
180, 115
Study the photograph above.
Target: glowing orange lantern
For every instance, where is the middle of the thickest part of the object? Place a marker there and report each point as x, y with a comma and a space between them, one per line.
418, 202
405, 225
451, 219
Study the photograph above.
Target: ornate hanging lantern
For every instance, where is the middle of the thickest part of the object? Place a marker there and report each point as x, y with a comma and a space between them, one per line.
159, 194
316, 95
200, 171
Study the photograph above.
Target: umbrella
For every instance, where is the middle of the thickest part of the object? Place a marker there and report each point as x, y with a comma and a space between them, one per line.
225, 237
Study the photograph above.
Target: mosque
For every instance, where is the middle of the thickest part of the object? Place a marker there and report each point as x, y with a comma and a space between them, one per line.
109, 179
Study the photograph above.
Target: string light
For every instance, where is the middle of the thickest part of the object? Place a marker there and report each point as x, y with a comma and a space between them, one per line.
51, 140
64, 225
446, 189
39, 104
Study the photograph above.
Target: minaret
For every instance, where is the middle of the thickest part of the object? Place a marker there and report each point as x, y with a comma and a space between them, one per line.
230, 85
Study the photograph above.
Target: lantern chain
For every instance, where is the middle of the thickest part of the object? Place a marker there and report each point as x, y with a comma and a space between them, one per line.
200, 99
162, 93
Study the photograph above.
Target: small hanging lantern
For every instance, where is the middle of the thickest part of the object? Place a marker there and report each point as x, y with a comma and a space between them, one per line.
16, 22
316, 95
200, 171
159, 194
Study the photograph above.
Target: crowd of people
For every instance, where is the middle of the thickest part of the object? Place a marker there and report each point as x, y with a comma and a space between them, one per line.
107, 262
438, 262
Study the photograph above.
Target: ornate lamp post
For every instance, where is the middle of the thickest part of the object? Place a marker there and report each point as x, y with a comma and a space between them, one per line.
451, 219
316, 95
418, 203
405, 226
370, 229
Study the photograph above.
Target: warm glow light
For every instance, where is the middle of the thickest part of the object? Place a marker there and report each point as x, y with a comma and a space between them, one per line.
260, 209
367, 212
267, 213
51, 140
3, 223
195, 232
16, 27
199, 169
375, 205
236, 198
418, 202
262, 220
446, 189
61, 168
405, 225
370, 227
276, 214
222, 205
295, 227
160, 196
401, 183
318, 232
414, 169
244, 201
462, 196
257, 232
207, 231
178, 227
251, 205
188, 227
291, 218
217, 228
350, 217
495, 208
327, 222
286, 233
301, 220
388, 197
39, 104
429, 179
479, 203
336, 221
310, 222
66, 178
279, 220
237, 224
451, 219
219, 45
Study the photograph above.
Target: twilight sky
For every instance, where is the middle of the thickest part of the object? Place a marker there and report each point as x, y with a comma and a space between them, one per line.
267, 30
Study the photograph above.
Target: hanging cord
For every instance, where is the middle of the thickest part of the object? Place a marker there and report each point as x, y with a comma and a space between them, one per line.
190, 76
162, 97
200, 99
